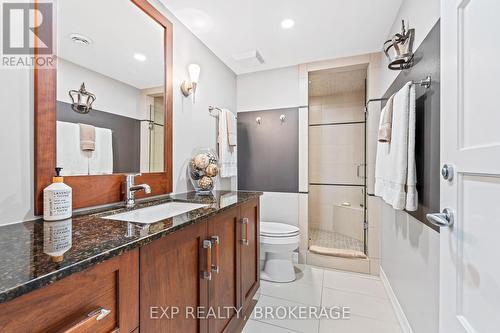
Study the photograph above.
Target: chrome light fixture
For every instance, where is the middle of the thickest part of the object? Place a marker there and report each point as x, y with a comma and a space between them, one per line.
399, 49
189, 87
81, 100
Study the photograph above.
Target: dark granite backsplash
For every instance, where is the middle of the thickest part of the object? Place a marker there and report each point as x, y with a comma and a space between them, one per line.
36, 253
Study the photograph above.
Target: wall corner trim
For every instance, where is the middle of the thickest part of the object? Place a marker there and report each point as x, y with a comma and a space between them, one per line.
400, 315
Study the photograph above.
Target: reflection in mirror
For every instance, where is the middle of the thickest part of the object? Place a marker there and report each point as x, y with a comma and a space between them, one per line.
117, 52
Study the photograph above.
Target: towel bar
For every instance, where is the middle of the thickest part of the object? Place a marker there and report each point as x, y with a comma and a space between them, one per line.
426, 83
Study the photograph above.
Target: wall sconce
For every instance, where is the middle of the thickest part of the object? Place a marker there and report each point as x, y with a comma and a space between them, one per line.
81, 100
399, 49
189, 87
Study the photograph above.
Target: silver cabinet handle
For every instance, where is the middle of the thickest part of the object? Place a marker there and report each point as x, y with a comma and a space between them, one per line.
207, 245
100, 313
215, 246
444, 219
244, 240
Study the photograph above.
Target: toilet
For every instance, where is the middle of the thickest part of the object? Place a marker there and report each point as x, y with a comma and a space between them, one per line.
277, 242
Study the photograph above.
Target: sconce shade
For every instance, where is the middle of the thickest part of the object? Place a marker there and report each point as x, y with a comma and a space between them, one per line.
81, 100
194, 73
399, 49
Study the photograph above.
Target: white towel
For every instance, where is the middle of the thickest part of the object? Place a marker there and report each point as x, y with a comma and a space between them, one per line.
231, 129
101, 161
227, 154
70, 157
395, 169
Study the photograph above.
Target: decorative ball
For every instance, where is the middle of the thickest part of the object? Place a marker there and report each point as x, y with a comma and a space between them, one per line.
201, 161
197, 174
212, 170
206, 183
212, 158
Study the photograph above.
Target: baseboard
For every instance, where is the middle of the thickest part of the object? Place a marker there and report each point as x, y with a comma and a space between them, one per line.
400, 315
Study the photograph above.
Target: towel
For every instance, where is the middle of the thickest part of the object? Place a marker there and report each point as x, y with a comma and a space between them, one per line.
227, 154
231, 129
385, 128
395, 169
101, 161
70, 157
87, 137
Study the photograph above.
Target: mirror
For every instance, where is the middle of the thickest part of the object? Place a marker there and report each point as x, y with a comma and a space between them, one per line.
115, 122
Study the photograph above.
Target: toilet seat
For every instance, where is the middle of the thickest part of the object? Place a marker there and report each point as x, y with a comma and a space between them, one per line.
277, 230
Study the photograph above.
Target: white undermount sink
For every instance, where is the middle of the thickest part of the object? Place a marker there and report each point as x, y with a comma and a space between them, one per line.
155, 213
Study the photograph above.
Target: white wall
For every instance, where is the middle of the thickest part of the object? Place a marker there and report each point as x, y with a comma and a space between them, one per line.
192, 125
266, 90
410, 249
112, 96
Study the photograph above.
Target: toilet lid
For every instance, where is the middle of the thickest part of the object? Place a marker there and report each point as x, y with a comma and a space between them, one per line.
272, 229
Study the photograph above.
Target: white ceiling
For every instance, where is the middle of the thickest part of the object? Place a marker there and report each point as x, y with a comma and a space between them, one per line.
117, 29
324, 29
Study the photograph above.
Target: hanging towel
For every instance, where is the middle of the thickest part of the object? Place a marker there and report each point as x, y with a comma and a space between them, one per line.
385, 128
395, 169
101, 161
227, 154
231, 129
70, 157
87, 137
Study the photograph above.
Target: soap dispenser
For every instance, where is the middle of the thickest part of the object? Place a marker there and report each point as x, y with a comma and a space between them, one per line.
57, 199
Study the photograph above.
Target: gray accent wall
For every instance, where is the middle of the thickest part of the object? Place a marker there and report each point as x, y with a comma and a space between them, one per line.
268, 154
427, 141
126, 134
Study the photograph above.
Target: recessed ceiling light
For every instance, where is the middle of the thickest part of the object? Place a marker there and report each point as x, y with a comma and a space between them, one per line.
80, 39
139, 57
287, 23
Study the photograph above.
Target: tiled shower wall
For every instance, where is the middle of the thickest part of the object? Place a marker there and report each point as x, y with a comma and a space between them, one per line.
336, 163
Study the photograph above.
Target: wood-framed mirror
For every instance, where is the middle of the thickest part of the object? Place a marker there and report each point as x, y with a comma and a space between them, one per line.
122, 51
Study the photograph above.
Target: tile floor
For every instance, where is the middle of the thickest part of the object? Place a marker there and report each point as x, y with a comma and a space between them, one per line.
370, 308
332, 239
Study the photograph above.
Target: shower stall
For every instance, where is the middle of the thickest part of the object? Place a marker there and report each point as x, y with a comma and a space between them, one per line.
337, 162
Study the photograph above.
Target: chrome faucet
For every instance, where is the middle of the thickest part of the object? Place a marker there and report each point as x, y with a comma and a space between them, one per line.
130, 189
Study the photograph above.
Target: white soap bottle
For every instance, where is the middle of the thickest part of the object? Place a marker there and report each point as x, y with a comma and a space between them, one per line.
57, 199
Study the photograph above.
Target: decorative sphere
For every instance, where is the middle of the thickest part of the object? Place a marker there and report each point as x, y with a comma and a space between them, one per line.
212, 158
212, 170
201, 161
196, 174
206, 183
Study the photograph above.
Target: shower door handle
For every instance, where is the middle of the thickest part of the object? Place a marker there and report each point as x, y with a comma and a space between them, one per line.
358, 172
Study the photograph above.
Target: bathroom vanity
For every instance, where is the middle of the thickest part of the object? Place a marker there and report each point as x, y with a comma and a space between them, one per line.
92, 273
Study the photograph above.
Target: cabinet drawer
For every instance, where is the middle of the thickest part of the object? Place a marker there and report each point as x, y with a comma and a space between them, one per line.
74, 304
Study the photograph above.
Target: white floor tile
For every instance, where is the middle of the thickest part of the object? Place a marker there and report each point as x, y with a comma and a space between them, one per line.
309, 274
300, 325
358, 324
294, 291
371, 310
362, 305
354, 283
253, 326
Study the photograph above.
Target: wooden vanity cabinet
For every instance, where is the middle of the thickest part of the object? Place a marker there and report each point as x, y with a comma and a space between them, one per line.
73, 304
173, 278
250, 251
212, 265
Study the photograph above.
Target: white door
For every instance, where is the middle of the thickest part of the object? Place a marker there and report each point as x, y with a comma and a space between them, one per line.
470, 141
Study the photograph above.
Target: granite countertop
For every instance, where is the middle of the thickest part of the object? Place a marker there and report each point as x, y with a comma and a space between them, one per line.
36, 253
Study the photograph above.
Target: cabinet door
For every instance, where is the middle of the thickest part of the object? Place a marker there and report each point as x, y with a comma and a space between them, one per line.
101, 299
224, 286
249, 254
172, 278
